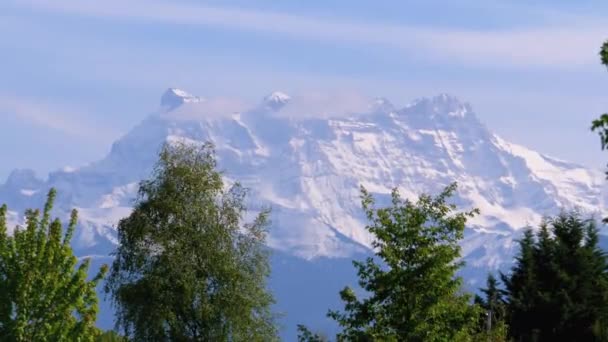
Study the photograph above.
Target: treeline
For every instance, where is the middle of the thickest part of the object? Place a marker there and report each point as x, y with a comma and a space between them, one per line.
557, 289
188, 268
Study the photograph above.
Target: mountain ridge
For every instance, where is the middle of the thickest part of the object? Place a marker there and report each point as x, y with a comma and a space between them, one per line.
309, 170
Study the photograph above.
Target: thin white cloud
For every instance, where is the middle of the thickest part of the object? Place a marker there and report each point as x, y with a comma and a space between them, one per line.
561, 47
326, 104
53, 117
213, 108
301, 105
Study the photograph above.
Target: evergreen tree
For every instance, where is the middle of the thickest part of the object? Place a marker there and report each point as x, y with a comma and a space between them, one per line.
583, 282
493, 305
492, 325
520, 287
187, 269
558, 288
414, 294
44, 293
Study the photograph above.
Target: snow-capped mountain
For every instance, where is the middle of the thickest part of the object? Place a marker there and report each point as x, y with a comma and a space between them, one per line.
309, 170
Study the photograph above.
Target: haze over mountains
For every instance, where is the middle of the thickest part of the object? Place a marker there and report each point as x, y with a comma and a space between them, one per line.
309, 168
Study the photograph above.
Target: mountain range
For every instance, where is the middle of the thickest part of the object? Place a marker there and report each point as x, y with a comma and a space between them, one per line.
309, 169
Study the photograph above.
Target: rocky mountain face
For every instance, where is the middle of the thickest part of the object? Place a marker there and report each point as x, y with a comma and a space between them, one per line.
309, 170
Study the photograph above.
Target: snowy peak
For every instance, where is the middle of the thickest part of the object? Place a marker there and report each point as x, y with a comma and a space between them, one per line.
276, 100
23, 178
173, 98
382, 105
442, 104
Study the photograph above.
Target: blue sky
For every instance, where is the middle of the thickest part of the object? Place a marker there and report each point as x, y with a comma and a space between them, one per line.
76, 75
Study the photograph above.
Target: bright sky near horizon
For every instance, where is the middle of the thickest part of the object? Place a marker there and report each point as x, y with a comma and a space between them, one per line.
77, 74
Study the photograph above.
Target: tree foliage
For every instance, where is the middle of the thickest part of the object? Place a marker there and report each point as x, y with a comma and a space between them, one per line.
601, 124
412, 291
187, 268
558, 287
305, 335
44, 293
493, 301
110, 336
492, 325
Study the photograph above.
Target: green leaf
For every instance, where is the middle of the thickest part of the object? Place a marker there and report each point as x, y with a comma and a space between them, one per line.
412, 291
43, 295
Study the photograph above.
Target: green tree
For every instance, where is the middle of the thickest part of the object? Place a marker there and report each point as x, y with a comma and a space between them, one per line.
558, 287
521, 288
187, 269
492, 303
412, 291
110, 336
44, 293
492, 320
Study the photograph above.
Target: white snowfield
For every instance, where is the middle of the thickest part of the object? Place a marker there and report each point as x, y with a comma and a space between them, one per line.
310, 170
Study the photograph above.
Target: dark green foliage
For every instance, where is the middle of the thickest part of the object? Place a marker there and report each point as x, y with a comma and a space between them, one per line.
521, 288
493, 301
604, 53
305, 335
558, 287
601, 124
186, 268
44, 293
492, 323
414, 294
110, 336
